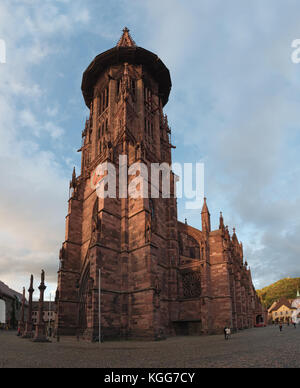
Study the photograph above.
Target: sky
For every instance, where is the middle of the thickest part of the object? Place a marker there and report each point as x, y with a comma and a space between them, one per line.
234, 106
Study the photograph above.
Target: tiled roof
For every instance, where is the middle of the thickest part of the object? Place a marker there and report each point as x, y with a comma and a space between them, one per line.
281, 302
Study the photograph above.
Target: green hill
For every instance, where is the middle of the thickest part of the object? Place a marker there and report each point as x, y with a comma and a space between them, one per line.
283, 288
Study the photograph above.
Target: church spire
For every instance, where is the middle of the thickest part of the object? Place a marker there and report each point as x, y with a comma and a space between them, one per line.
234, 237
221, 225
126, 39
205, 217
73, 181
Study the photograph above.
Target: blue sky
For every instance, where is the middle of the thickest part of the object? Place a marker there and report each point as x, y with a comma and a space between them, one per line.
234, 105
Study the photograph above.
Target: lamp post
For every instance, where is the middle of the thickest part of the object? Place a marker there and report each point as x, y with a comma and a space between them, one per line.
99, 301
78, 310
49, 318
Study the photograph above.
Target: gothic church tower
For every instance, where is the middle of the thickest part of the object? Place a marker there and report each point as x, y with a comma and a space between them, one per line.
132, 241
159, 277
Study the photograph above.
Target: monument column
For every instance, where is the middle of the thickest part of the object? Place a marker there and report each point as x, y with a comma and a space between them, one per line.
28, 329
22, 323
40, 335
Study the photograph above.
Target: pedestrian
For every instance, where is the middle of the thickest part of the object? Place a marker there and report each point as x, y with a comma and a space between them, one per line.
225, 331
228, 332
294, 324
280, 326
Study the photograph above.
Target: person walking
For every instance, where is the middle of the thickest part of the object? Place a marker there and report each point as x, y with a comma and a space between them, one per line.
280, 326
228, 332
225, 331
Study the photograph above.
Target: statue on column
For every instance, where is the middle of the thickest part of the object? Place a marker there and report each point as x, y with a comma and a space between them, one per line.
40, 330
62, 256
29, 326
21, 328
148, 231
157, 291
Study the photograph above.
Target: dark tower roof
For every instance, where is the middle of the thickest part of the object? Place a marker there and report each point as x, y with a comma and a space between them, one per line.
126, 51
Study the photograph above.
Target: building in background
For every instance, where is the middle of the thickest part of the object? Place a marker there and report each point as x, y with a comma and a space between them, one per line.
159, 277
296, 307
10, 307
281, 311
49, 315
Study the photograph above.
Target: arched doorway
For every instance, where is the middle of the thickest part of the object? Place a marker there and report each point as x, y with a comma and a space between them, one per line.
259, 319
83, 302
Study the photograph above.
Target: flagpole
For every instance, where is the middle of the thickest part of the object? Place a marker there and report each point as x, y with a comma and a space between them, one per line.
49, 313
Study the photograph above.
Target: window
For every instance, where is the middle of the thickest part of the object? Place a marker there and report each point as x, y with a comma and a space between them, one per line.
103, 100
133, 86
192, 252
148, 97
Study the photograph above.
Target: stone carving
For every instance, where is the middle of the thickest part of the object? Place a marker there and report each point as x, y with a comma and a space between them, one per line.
191, 284
62, 257
148, 231
73, 185
157, 286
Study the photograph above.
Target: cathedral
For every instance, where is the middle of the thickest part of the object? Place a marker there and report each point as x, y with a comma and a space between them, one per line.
130, 261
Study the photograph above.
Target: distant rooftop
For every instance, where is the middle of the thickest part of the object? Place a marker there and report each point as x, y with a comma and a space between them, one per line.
6, 291
47, 306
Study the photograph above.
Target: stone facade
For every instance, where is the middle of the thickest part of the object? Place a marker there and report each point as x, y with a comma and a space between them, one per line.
159, 277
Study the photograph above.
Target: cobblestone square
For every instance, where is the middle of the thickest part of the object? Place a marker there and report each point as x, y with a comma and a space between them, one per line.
259, 347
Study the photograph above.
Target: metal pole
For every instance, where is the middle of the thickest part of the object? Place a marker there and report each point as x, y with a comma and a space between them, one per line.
99, 295
49, 314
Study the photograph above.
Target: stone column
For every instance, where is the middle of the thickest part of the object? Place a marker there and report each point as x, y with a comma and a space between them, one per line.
22, 320
40, 335
28, 328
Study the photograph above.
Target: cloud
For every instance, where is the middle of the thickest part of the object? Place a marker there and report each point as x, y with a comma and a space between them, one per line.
33, 194
234, 105
29, 121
